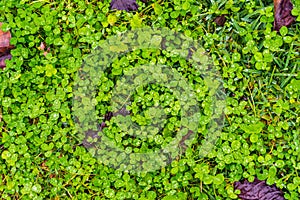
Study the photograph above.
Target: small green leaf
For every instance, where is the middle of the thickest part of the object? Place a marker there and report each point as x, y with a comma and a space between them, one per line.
112, 19
136, 21
283, 30
157, 8
6, 102
37, 188
208, 179
218, 179
6, 155
254, 138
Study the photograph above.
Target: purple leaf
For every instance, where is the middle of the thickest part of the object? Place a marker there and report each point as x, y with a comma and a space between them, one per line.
128, 5
2, 60
282, 13
258, 190
5, 47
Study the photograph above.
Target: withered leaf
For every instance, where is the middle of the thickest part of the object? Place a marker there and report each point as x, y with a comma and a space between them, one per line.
220, 20
258, 190
282, 13
5, 47
128, 5
94, 134
2, 60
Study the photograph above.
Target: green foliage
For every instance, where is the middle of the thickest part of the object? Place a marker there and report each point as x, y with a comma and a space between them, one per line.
41, 154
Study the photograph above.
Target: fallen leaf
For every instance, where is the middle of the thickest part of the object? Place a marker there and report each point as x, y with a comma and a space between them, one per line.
128, 5
3, 58
220, 20
94, 134
52, 176
258, 190
5, 47
282, 14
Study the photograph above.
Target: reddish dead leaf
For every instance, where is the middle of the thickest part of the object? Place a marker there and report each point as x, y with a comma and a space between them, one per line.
220, 20
5, 41
5, 47
282, 14
43, 164
258, 190
3, 58
52, 176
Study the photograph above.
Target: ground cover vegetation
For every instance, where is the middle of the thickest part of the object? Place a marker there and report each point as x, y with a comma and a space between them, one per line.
42, 156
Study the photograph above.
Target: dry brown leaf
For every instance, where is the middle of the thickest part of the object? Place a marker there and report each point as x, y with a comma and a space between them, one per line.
282, 13
220, 20
3, 58
5, 47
